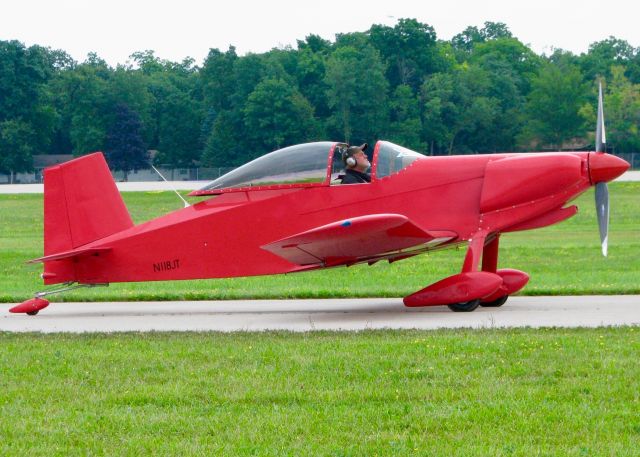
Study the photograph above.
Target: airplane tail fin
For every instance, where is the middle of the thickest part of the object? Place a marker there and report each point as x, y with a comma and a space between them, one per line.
81, 204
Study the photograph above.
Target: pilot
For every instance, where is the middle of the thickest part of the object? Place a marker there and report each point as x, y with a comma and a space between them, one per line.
356, 164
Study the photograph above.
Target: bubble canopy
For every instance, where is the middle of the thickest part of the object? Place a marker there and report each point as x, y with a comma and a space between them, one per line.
303, 165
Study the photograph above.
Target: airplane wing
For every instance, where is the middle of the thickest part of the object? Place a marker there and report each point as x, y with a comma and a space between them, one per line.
357, 239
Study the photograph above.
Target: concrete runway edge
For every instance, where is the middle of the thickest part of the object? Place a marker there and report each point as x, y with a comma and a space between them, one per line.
331, 314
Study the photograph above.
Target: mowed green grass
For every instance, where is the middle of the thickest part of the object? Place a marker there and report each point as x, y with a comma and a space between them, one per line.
547, 392
562, 259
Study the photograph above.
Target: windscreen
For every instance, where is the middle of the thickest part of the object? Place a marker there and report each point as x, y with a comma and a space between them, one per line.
393, 158
303, 163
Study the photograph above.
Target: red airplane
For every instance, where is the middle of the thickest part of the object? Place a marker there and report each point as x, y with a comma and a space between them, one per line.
285, 212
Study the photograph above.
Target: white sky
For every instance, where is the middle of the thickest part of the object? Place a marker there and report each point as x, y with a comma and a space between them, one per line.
114, 29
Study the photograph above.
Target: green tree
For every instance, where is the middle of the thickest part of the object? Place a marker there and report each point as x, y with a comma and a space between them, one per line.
310, 72
172, 108
602, 55
512, 53
408, 50
131, 87
439, 111
622, 112
633, 68
503, 85
553, 108
247, 73
147, 62
16, 147
222, 148
84, 105
124, 148
277, 115
405, 127
218, 79
179, 130
357, 93
459, 113
281, 63
24, 91
465, 41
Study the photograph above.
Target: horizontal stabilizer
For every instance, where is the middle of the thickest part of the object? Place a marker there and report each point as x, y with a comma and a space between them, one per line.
71, 254
351, 240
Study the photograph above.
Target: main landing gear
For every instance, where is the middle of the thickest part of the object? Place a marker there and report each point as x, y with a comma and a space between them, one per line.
465, 307
471, 305
466, 291
495, 303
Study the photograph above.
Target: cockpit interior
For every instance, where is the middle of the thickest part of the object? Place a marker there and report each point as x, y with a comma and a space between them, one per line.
308, 165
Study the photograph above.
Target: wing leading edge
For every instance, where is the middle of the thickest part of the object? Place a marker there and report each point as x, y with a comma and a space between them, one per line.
357, 239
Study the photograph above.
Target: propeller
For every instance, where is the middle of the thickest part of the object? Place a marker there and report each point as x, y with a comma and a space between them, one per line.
602, 191
601, 137
602, 209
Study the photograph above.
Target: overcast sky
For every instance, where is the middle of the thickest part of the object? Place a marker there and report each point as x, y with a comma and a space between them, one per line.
114, 29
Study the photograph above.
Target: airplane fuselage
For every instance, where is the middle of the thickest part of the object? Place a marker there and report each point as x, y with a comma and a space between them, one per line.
224, 236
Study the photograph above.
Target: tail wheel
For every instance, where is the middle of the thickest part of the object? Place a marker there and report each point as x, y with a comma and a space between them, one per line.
495, 303
464, 307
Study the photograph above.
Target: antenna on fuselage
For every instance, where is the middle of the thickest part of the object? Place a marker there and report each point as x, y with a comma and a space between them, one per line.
171, 185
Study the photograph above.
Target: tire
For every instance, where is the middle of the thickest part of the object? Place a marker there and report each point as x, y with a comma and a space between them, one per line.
464, 307
495, 303
32, 313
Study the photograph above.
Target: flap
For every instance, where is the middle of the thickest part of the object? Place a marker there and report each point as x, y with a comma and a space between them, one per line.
70, 254
350, 240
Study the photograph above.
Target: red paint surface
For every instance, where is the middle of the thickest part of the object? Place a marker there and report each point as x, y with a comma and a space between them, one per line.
605, 167
512, 282
433, 203
458, 288
32, 305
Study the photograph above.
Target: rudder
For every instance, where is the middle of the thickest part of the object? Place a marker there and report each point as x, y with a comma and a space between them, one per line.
81, 205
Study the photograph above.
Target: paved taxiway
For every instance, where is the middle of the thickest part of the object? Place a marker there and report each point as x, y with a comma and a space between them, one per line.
308, 315
187, 185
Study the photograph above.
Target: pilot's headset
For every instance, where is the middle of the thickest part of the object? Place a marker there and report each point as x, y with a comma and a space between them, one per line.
348, 158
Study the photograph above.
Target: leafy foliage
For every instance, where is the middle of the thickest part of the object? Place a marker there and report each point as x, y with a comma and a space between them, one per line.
15, 146
124, 148
482, 91
357, 93
623, 100
277, 115
557, 94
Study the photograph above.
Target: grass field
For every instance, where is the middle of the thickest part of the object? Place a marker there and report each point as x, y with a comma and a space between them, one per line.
548, 392
562, 259
491, 392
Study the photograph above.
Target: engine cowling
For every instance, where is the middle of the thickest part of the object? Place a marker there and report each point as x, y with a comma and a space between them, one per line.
520, 179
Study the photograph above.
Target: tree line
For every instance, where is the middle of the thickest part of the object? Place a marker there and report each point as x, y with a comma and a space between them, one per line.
482, 91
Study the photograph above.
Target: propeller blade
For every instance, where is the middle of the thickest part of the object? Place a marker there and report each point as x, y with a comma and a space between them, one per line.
601, 137
602, 209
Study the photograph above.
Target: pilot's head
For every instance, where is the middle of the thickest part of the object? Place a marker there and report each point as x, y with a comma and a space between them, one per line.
355, 158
